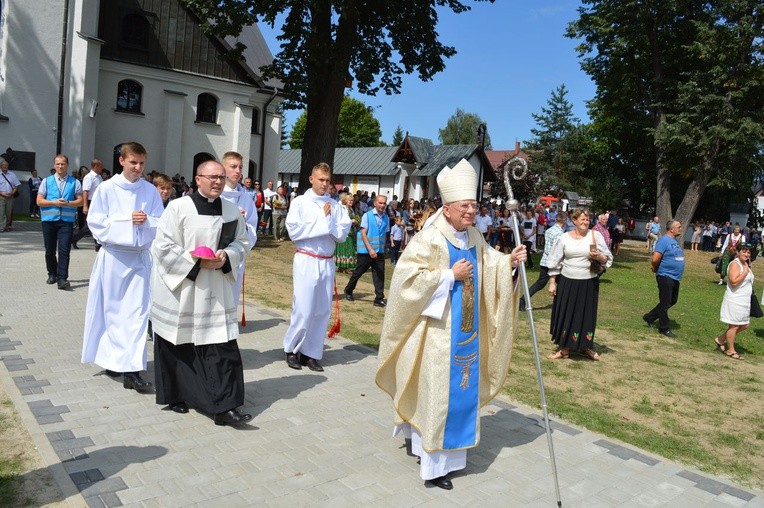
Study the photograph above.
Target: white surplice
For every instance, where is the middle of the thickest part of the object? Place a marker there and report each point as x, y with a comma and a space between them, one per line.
315, 236
241, 199
116, 317
200, 311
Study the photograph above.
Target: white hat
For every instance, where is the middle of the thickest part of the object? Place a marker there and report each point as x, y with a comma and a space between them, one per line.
458, 183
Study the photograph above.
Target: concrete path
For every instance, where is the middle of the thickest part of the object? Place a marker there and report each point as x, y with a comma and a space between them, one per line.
317, 439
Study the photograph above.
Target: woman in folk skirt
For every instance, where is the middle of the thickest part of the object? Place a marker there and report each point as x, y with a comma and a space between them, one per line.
575, 287
344, 254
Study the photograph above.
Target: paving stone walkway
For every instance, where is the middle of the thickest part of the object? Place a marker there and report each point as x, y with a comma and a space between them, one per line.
317, 439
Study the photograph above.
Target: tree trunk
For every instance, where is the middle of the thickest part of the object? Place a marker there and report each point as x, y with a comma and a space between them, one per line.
692, 195
663, 184
320, 132
327, 69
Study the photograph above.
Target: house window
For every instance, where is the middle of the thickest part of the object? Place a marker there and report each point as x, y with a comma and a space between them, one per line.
255, 121
135, 30
206, 108
129, 95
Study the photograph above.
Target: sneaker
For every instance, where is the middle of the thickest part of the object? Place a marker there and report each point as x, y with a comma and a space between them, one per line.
721, 282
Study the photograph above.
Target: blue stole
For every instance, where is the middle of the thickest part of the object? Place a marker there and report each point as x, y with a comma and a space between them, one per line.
463, 392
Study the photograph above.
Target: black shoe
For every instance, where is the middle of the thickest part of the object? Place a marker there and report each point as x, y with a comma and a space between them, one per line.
380, 303
349, 297
443, 483
648, 322
668, 333
64, 284
522, 305
51, 280
133, 381
111, 373
293, 361
179, 407
232, 417
313, 365
74, 246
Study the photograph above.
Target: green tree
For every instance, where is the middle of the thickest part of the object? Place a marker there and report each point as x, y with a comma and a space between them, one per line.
554, 145
356, 127
326, 43
397, 136
462, 129
689, 73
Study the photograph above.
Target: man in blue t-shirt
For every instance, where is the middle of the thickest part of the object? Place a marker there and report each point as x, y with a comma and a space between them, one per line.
668, 266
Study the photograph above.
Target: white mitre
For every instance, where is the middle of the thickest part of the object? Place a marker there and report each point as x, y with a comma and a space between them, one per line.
458, 183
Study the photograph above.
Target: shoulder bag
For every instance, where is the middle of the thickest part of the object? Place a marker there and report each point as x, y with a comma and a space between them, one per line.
595, 266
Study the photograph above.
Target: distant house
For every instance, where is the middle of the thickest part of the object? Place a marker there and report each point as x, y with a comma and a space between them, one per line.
131, 70
407, 171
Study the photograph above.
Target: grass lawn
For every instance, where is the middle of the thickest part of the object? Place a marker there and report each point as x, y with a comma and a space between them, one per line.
679, 398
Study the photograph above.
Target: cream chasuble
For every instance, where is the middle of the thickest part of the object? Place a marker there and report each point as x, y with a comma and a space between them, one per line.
440, 372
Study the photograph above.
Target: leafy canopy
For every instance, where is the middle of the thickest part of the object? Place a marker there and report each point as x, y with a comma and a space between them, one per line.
372, 43
462, 129
357, 126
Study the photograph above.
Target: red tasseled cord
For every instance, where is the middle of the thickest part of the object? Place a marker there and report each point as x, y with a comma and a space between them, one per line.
335, 329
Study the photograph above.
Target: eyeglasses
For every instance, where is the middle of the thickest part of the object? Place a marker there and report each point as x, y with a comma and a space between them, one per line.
464, 207
257, 183
214, 178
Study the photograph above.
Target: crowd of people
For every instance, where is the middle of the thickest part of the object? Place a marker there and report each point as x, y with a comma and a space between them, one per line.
171, 258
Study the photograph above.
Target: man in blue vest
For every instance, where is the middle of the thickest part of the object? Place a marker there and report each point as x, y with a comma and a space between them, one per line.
370, 248
58, 197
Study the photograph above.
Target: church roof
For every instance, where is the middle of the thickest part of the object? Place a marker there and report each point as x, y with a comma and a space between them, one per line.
374, 161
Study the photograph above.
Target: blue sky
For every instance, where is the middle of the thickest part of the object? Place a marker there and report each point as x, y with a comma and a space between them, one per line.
511, 55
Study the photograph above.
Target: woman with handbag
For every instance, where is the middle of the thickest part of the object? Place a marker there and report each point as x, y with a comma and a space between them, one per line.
575, 264
736, 305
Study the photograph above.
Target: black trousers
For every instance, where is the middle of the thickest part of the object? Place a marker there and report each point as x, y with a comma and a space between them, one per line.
57, 236
539, 284
528, 247
668, 294
363, 263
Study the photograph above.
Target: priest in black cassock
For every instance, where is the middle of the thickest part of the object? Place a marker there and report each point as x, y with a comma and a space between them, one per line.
196, 357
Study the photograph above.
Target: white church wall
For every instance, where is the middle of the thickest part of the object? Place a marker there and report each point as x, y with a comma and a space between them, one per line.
31, 54
169, 115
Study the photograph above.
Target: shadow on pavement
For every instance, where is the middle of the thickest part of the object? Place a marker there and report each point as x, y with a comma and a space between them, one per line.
95, 473
261, 394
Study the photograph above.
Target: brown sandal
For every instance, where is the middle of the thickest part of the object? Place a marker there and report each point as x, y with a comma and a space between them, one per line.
721, 347
559, 355
734, 356
592, 354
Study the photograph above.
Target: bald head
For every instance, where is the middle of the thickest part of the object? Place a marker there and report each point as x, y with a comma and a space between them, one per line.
210, 178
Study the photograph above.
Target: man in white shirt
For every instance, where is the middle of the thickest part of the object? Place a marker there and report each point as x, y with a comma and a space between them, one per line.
268, 193
90, 183
9, 184
484, 222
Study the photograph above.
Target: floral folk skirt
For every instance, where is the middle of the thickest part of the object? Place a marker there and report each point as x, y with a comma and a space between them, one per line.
574, 313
